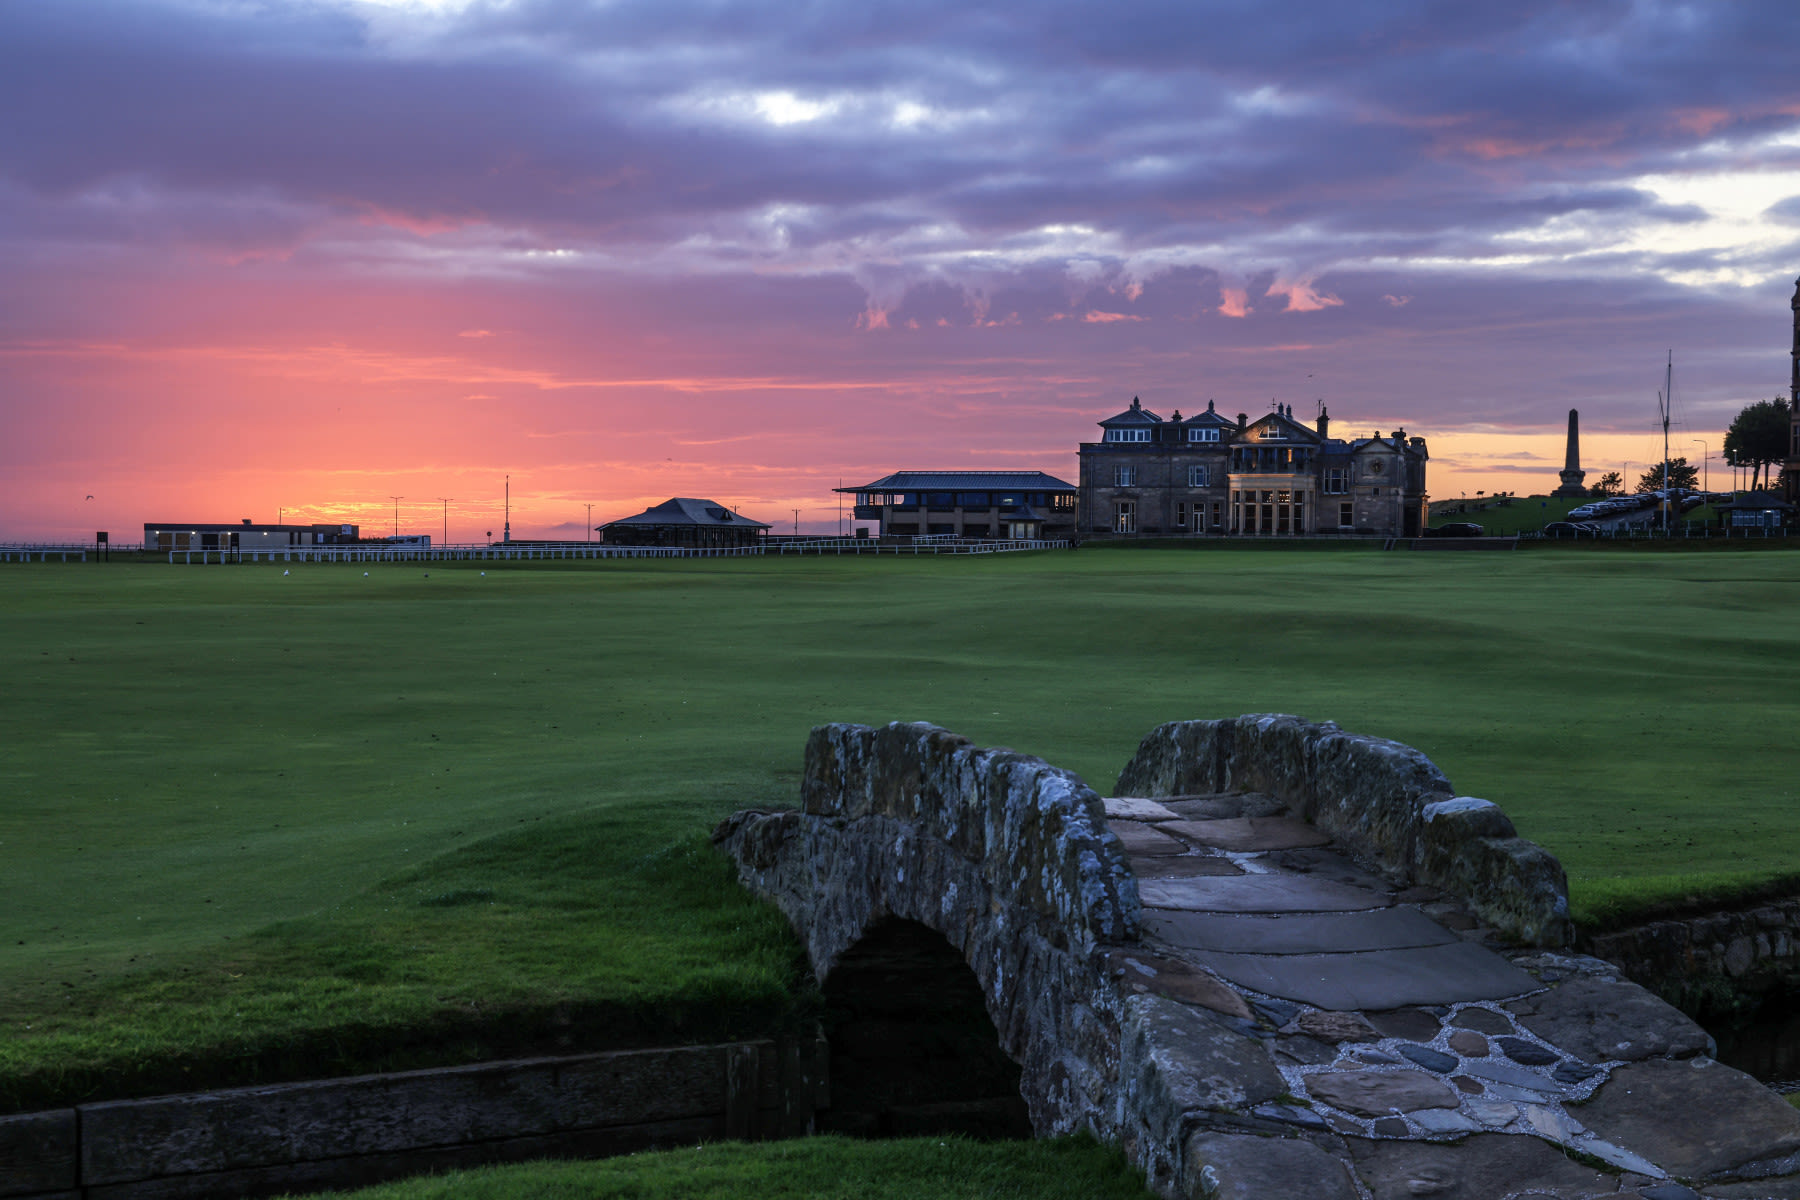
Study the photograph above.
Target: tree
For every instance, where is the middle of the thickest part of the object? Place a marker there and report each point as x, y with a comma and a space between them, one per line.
1758, 439
1611, 484
1681, 475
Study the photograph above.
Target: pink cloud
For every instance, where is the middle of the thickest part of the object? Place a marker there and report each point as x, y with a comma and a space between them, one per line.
1234, 302
1096, 317
1301, 295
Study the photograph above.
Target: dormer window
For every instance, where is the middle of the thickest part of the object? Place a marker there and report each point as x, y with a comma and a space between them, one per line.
1203, 433
1128, 435
1274, 434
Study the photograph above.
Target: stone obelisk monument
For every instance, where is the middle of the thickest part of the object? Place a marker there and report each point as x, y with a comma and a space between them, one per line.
1572, 474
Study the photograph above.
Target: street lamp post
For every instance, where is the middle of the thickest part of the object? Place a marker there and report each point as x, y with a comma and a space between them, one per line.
396, 500
446, 501
589, 536
1701, 442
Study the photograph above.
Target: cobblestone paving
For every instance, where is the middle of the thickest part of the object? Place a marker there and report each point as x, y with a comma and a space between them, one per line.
1421, 1058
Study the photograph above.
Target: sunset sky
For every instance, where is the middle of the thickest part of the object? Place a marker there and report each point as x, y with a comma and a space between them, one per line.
262, 257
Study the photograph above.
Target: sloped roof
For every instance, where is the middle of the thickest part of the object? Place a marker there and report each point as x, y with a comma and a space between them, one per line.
1210, 417
685, 510
1288, 426
964, 481
1760, 501
1137, 414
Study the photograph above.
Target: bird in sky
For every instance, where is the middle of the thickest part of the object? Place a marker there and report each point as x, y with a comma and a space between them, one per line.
90, 497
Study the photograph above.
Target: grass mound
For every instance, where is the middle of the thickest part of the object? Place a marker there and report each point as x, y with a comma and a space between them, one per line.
559, 939
819, 1168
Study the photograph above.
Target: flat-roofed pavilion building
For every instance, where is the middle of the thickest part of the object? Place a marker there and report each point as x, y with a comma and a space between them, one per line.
1019, 505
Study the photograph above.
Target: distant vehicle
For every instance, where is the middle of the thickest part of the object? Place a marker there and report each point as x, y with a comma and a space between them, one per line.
1583, 510
1569, 529
1455, 529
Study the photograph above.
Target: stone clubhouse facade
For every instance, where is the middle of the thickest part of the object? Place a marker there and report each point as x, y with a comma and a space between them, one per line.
1271, 477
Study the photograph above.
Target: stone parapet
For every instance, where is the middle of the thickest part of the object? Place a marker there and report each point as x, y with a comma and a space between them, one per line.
1383, 800
1038, 832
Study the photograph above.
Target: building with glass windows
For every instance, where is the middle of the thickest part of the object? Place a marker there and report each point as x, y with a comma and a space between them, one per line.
1272, 477
972, 504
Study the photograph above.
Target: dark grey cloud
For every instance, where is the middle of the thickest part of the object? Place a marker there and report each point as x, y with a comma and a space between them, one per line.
945, 162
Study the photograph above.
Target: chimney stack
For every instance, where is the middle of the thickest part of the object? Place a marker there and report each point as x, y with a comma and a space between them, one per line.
1324, 423
1243, 422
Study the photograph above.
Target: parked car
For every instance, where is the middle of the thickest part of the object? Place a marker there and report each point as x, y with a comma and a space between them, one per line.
1581, 511
1569, 529
1455, 529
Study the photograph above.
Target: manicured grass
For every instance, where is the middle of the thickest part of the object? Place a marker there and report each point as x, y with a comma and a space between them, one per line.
1499, 519
261, 825
821, 1168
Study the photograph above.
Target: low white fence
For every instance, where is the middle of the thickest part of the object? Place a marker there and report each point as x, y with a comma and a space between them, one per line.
44, 553
514, 552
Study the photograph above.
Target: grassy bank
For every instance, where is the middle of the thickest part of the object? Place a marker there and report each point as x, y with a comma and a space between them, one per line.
258, 821
821, 1168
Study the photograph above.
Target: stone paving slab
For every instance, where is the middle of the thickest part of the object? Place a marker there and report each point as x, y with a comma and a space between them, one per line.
1227, 804
1144, 972
1238, 1167
1130, 808
1297, 933
1257, 893
1656, 1103
1183, 866
1487, 1166
1251, 834
1448, 974
1142, 840
1601, 1019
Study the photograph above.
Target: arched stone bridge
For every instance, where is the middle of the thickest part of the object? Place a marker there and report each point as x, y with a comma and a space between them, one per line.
1286, 961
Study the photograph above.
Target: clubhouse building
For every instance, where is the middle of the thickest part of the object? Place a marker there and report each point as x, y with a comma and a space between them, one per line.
1272, 477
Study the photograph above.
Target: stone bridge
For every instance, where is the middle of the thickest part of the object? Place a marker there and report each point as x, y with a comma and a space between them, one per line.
1285, 961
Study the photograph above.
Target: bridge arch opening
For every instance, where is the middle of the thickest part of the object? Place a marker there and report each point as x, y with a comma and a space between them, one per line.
913, 1051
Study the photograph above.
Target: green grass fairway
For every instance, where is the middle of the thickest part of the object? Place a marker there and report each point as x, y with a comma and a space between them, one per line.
260, 824
820, 1168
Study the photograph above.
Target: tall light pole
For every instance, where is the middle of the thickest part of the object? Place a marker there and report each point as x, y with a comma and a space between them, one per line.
589, 536
506, 530
796, 522
1701, 442
446, 502
396, 500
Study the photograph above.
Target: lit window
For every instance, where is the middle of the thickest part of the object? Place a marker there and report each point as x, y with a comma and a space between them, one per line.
1125, 516
1128, 435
